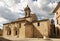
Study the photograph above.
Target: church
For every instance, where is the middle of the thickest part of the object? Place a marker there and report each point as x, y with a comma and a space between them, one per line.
27, 27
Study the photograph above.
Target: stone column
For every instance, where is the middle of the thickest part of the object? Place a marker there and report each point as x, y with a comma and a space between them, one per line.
12, 32
22, 31
18, 33
5, 31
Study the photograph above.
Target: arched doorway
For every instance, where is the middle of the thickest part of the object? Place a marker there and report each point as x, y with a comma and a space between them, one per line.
57, 31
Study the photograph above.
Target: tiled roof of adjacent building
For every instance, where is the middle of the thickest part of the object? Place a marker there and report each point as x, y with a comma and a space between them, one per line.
56, 7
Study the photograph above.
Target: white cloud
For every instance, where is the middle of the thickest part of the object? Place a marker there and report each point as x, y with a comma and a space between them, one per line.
42, 8
2, 21
13, 9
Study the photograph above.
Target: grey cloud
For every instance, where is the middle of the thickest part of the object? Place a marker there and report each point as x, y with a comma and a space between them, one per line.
45, 11
6, 13
42, 12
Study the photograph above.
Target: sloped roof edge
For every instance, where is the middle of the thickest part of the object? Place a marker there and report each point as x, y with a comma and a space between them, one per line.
58, 5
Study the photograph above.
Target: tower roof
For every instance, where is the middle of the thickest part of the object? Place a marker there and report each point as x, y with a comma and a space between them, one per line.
27, 8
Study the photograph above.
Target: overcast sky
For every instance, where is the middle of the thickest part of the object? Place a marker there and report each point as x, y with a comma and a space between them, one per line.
10, 10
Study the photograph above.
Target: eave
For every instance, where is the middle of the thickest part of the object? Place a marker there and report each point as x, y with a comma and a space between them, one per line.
57, 7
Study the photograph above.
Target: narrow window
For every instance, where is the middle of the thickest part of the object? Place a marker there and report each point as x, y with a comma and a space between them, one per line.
26, 14
57, 21
38, 24
16, 33
54, 30
57, 13
57, 31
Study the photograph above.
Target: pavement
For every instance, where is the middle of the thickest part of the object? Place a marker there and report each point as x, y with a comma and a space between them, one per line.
31, 39
3, 39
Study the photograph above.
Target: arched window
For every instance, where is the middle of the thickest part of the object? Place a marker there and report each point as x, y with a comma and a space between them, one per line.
38, 24
25, 14
15, 31
8, 31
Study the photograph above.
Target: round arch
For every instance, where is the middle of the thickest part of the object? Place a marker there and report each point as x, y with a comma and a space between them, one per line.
15, 31
8, 31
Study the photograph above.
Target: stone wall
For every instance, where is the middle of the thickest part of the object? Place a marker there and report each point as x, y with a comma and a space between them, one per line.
29, 31
58, 22
10, 30
22, 31
42, 30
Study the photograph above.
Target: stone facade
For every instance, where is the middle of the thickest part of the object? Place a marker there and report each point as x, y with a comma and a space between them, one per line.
41, 28
57, 17
27, 27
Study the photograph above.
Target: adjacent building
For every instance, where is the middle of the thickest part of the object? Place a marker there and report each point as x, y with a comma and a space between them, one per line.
57, 19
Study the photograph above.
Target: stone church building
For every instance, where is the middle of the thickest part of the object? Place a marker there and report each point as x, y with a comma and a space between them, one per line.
27, 27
